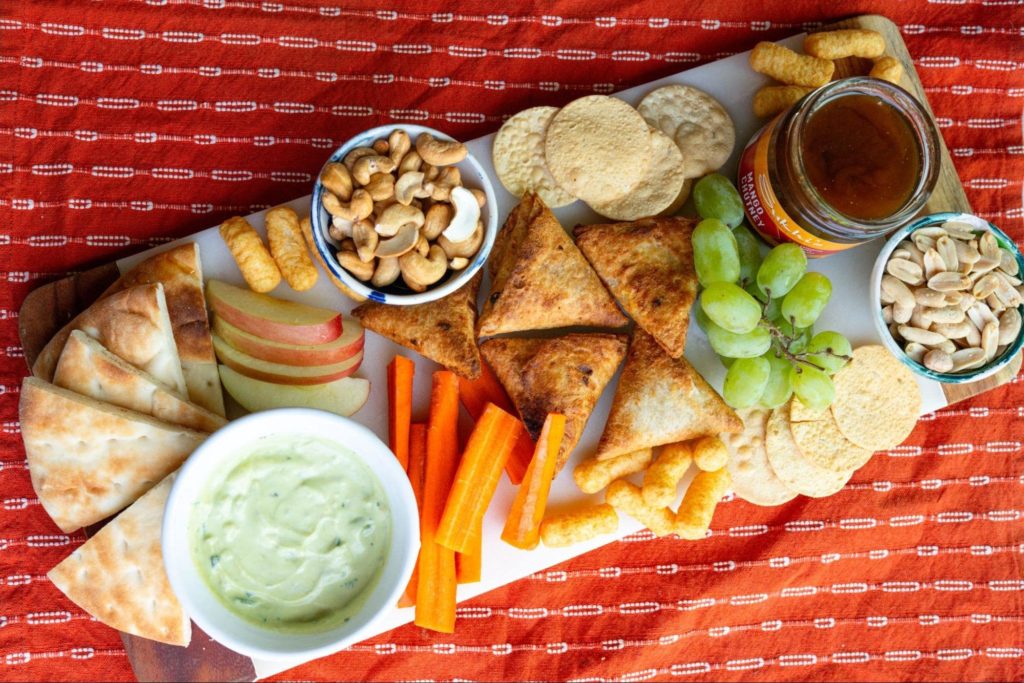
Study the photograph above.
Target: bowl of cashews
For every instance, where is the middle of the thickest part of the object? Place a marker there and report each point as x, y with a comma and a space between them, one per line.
403, 214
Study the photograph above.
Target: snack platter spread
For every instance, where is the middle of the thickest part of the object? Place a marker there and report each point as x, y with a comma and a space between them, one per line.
731, 82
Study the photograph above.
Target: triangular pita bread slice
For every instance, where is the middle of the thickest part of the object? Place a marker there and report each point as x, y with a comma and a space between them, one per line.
181, 273
648, 266
87, 368
563, 375
89, 459
132, 324
543, 281
661, 400
441, 330
118, 575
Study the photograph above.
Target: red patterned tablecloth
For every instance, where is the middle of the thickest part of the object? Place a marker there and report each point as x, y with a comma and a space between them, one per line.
126, 123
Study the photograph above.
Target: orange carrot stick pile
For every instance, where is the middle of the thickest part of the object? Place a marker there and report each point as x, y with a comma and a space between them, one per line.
522, 526
468, 565
475, 395
417, 463
400, 372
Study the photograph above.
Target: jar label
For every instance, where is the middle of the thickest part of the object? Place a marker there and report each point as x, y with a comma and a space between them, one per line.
762, 205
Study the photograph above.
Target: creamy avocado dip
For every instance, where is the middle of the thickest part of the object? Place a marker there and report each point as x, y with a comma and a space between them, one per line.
292, 534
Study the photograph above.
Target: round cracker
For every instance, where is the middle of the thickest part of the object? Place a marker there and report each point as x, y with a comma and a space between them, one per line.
684, 194
518, 155
790, 465
659, 188
877, 400
598, 148
697, 122
753, 479
822, 443
799, 412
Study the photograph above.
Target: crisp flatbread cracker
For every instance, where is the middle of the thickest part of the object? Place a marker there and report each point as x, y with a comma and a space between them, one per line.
543, 281
648, 266
441, 330
118, 575
89, 459
660, 189
753, 478
562, 375
87, 368
696, 121
518, 154
792, 468
877, 400
822, 443
180, 271
661, 400
132, 324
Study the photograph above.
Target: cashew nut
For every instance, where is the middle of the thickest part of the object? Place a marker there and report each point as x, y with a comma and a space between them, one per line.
339, 228
440, 152
437, 219
399, 145
369, 165
336, 178
381, 146
387, 272
481, 196
381, 186
410, 162
419, 272
409, 186
458, 263
467, 247
423, 246
430, 172
360, 207
351, 262
347, 244
395, 216
442, 186
358, 153
366, 240
403, 242
467, 214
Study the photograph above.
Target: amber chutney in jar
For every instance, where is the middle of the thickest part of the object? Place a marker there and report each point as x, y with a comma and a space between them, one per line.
850, 162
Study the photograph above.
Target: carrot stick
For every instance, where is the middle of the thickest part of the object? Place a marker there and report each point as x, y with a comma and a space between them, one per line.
417, 462
468, 564
400, 373
475, 394
522, 526
479, 471
435, 590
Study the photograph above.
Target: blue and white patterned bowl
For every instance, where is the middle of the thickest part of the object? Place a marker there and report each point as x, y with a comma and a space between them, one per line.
473, 176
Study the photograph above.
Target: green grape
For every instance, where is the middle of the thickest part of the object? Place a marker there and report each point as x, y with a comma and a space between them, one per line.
831, 342
725, 360
745, 381
730, 307
716, 197
808, 298
753, 290
750, 254
732, 345
715, 254
799, 336
812, 386
773, 309
781, 269
701, 317
778, 389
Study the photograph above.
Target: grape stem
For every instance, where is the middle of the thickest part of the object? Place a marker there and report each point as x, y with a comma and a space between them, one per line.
797, 358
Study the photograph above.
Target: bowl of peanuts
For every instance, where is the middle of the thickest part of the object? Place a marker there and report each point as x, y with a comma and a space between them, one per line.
949, 297
403, 214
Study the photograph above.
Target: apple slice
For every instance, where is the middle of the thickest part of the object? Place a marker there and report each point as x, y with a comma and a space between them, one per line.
343, 396
264, 316
347, 345
279, 373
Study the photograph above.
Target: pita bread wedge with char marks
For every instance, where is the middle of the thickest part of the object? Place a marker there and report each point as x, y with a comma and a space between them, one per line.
661, 400
563, 375
89, 459
442, 330
132, 324
87, 368
648, 266
543, 281
118, 575
181, 273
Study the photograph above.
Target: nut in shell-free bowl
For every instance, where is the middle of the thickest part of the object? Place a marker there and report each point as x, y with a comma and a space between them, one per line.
473, 176
204, 469
979, 226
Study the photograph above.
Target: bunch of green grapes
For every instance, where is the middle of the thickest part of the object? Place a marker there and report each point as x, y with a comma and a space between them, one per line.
759, 314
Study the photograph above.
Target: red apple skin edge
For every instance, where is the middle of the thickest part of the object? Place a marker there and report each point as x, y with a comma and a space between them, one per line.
285, 333
291, 379
347, 345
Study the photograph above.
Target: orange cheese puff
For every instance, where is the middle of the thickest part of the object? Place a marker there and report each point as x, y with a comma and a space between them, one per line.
307, 233
787, 66
661, 479
593, 475
698, 506
579, 525
289, 250
771, 99
887, 69
253, 259
626, 497
849, 42
709, 453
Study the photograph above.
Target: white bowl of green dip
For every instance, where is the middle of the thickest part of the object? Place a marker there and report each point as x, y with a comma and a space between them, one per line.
289, 533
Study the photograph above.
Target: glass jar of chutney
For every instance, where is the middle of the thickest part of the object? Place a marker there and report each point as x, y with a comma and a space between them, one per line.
850, 162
